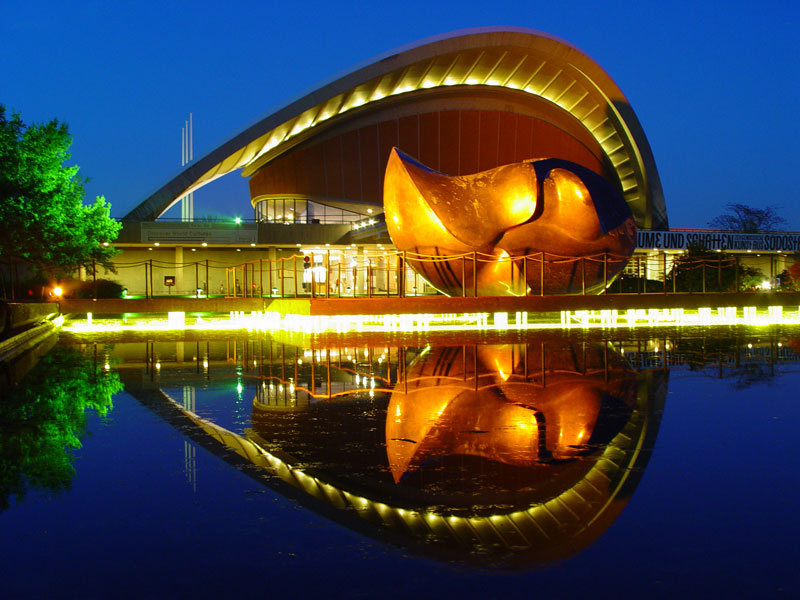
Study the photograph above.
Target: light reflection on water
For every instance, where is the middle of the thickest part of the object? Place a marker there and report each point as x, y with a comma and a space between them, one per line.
503, 455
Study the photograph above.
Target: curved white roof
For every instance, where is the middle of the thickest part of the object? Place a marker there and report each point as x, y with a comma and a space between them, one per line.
522, 60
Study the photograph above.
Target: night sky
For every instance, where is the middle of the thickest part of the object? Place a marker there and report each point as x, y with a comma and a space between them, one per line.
715, 85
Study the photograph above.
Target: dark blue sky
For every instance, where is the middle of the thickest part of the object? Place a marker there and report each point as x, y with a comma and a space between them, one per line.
716, 86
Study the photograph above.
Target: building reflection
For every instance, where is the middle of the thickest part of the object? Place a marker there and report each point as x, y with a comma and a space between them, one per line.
520, 453
512, 454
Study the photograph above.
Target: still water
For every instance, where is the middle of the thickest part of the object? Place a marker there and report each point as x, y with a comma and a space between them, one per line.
660, 463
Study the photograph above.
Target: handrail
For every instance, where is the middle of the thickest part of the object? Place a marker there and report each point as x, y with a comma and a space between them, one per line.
332, 274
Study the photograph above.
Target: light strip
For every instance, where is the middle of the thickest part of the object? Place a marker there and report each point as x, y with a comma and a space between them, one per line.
500, 321
368, 92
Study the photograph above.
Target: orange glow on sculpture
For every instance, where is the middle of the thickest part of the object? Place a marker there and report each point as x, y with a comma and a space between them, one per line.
499, 216
501, 414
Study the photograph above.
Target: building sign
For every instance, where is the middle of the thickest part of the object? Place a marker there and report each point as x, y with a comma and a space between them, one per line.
196, 232
717, 240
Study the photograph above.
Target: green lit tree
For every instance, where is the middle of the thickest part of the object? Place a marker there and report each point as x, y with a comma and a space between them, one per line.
44, 419
44, 222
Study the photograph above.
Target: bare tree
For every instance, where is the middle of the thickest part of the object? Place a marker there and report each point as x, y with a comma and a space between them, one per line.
740, 217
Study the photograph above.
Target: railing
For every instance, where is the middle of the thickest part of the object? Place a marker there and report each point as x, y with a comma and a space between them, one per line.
334, 274
289, 374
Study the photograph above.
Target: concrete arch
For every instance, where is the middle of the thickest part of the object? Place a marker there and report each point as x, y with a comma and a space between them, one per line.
516, 62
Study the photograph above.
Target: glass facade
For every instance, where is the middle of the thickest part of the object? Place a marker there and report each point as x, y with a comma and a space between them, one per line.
302, 210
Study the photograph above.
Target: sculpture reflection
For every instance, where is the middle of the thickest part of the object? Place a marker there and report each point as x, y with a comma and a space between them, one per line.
471, 232
537, 407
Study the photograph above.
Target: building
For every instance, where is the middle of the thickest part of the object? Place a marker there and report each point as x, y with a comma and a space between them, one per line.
461, 102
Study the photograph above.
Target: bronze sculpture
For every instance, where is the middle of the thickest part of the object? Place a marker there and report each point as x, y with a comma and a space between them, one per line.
545, 225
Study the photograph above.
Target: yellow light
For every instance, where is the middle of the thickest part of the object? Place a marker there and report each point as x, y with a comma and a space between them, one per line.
57, 291
204, 244
523, 205
308, 324
156, 244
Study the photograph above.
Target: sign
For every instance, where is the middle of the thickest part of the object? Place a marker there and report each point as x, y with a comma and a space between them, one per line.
718, 240
169, 280
198, 231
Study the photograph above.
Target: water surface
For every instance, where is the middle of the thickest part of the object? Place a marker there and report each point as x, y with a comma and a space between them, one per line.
657, 463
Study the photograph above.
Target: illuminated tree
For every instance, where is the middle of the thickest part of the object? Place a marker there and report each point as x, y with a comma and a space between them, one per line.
747, 219
44, 418
43, 220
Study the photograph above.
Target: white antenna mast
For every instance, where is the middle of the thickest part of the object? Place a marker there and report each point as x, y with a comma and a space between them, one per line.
187, 155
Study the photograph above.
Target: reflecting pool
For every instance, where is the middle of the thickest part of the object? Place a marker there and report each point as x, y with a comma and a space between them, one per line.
659, 462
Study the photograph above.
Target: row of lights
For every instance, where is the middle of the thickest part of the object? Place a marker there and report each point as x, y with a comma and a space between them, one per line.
364, 223
717, 250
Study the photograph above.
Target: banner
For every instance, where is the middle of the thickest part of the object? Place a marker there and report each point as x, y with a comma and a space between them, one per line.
198, 231
717, 240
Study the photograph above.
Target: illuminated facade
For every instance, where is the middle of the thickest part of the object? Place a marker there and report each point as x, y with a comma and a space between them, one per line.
460, 103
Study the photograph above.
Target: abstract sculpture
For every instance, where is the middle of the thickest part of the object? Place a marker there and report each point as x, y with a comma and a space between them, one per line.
540, 226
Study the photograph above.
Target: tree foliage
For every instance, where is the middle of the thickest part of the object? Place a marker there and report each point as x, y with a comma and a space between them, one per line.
45, 417
43, 220
740, 217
